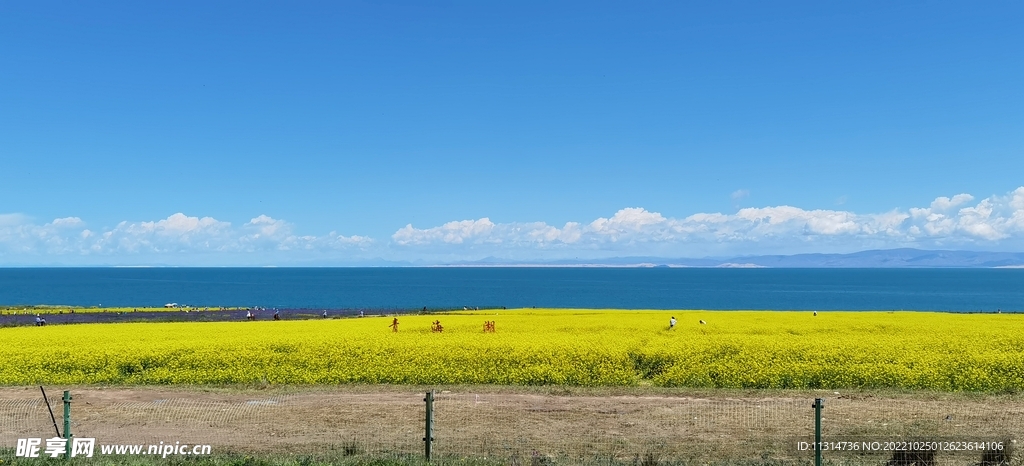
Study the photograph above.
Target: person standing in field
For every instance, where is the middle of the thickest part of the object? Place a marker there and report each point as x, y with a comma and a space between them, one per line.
394, 325
672, 323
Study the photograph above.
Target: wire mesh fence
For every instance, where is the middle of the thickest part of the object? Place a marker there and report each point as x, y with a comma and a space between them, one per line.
534, 429
907, 431
281, 424
616, 429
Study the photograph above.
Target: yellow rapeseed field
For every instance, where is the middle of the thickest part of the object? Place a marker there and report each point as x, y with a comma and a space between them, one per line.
529, 347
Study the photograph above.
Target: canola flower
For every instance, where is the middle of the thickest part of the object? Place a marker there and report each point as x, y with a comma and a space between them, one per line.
735, 349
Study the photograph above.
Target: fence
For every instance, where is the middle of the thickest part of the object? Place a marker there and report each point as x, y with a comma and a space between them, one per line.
520, 428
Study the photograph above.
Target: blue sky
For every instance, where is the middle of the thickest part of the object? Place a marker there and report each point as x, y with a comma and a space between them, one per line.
222, 133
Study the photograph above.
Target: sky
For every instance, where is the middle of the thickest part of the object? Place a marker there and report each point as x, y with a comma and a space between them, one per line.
347, 133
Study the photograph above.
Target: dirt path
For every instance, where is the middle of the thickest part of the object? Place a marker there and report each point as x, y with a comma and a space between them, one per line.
513, 423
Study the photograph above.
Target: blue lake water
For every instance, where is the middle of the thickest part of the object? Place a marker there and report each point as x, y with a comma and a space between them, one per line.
962, 290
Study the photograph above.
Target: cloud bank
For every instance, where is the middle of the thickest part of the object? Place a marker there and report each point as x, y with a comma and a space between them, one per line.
957, 222
179, 237
949, 222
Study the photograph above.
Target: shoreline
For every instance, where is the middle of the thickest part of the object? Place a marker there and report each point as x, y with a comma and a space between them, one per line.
54, 315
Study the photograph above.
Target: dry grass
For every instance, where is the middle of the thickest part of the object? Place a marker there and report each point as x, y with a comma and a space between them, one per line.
519, 425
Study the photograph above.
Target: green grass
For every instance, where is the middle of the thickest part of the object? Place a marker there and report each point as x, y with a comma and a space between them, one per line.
47, 310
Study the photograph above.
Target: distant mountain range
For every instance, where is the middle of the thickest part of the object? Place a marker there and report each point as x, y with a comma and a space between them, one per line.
885, 258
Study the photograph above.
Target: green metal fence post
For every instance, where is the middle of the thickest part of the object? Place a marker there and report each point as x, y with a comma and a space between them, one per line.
819, 403
429, 437
67, 423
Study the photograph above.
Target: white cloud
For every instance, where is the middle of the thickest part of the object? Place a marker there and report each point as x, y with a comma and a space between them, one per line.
450, 233
1017, 199
344, 241
176, 235
630, 219
268, 227
484, 234
267, 233
11, 220
67, 222
740, 194
945, 203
